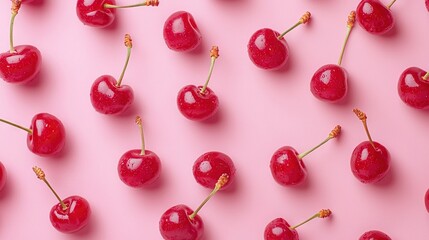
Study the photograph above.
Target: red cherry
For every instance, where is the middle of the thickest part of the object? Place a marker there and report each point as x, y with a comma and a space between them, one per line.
374, 235
210, 166
69, 215
46, 135
427, 4
413, 88
287, 166
139, 167
199, 103
370, 160
3, 176
279, 229
374, 17
181, 223
181, 33
101, 13
268, 49
107, 95
427, 200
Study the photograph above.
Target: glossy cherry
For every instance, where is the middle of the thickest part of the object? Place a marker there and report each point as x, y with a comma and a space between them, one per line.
69, 215
107, 95
413, 88
20, 64
427, 200
181, 223
268, 49
181, 32
139, 167
329, 82
3, 176
46, 135
279, 229
287, 166
210, 166
370, 161
374, 235
199, 103
374, 16
101, 13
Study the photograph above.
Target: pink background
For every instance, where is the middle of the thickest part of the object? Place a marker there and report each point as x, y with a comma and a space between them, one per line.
260, 111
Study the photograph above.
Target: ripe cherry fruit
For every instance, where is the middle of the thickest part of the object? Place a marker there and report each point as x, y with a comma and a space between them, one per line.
268, 49
199, 103
139, 167
108, 96
20, 64
101, 13
3, 176
374, 235
370, 160
329, 82
69, 215
181, 223
181, 33
46, 135
413, 88
210, 166
427, 200
287, 166
279, 229
374, 17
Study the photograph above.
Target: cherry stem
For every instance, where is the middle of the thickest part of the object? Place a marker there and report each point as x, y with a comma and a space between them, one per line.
321, 214
16, 4
139, 122
362, 116
334, 133
129, 44
146, 3
426, 76
390, 4
303, 20
350, 23
41, 175
18, 126
214, 54
223, 179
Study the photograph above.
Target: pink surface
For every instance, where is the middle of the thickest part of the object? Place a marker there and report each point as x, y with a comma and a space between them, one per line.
260, 111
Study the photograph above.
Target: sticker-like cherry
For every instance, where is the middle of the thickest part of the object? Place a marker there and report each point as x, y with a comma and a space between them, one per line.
181, 32
413, 88
210, 166
374, 16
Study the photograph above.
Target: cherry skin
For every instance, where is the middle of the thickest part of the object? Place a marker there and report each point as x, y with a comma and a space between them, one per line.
427, 200
329, 83
195, 105
370, 165
137, 170
286, 167
413, 89
374, 16
48, 135
427, 4
3, 176
210, 166
21, 66
175, 224
181, 33
72, 219
374, 235
94, 14
279, 229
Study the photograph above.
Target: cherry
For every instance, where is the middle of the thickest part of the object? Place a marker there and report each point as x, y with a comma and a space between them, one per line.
199, 103
287, 166
20, 64
181, 33
413, 88
139, 167
181, 223
3, 176
46, 135
329, 82
374, 235
210, 166
427, 4
69, 215
370, 160
279, 229
374, 17
268, 49
108, 96
101, 13
427, 200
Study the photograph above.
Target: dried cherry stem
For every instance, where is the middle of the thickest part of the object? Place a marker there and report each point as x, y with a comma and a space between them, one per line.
16, 4
129, 44
223, 179
139, 122
214, 54
146, 3
324, 213
41, 175
333, 134
18, 126
350, 23
362, 116
426, 76
390, 4
303, 20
